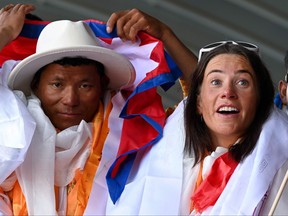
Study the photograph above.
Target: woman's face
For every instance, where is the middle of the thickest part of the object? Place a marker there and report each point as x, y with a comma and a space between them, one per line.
228, 98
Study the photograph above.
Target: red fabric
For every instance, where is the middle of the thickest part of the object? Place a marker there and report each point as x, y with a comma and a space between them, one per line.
18, 49
25, 44
147, 103
211, 188
140, 132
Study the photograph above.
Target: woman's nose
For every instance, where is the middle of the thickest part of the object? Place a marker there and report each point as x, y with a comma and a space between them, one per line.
229, 91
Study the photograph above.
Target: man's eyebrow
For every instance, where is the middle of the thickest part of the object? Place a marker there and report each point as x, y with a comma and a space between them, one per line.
57, 77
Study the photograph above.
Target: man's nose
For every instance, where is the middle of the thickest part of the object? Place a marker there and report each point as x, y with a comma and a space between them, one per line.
70, 96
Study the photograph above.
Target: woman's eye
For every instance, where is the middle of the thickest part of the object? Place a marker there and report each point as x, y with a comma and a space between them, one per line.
216, 82
243, 82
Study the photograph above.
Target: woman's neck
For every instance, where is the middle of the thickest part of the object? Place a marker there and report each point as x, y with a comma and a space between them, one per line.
224, 141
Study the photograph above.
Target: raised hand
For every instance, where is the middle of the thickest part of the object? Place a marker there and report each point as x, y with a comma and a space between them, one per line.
11, 21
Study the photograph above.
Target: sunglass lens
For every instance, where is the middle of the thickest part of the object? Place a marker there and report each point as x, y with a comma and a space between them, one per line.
212, 45
247, 45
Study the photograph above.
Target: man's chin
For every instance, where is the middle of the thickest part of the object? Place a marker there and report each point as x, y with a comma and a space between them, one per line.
64, 126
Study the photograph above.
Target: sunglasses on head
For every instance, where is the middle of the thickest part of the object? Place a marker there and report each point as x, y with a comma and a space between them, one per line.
215, 45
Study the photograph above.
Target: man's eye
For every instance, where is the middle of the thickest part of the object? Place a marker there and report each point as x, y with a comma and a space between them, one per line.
85, 85
56, 85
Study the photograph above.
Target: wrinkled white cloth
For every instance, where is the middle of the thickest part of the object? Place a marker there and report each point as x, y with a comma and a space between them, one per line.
17, 126
51, 159
99, 193
40, 156
154, 186
253, 177
14, 117
282, 205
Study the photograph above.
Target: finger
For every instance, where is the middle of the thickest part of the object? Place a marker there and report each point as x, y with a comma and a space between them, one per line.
29, 8
128, 25
23, 8
132, 28
137, 23
6, 8
120, 26
113, 19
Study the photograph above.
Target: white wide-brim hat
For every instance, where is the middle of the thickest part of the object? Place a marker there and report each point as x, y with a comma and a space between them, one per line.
66, 38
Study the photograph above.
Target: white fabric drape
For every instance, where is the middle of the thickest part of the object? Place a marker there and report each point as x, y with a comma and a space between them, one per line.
51, 159
154, 187
16, 126
16, 130
252, 178
99, 194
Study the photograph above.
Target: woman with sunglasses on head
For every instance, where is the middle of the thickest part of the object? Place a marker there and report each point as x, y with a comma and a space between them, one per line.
235, 144
229, 120
234, 140
230, 99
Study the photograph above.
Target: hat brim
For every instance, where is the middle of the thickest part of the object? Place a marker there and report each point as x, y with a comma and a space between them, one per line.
118, 68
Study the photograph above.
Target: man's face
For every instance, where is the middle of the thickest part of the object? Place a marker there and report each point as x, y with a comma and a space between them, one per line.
69, 94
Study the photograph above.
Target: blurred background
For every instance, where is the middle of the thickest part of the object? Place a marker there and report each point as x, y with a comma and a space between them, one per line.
196, 22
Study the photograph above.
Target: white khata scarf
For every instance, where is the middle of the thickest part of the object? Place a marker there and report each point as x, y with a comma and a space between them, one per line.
52, 159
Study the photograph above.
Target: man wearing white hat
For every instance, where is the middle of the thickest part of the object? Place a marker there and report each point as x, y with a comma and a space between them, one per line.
69, 74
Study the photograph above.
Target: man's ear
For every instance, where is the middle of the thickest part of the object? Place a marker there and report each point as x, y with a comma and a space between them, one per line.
282, 87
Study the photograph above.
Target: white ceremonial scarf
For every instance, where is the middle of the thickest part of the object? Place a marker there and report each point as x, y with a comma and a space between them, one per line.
99, 193
281, 207
16, 131
16, 126
253, 177
154, 185
51, 159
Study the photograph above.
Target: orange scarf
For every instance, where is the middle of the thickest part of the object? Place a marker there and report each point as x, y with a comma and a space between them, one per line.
80, 187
